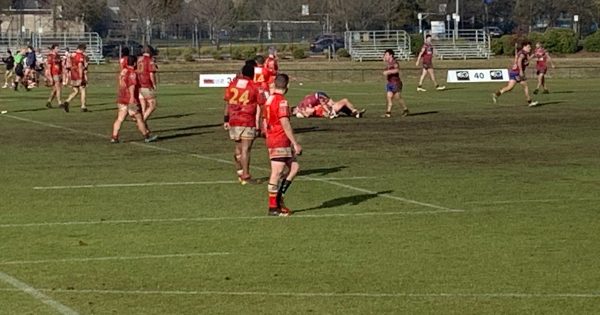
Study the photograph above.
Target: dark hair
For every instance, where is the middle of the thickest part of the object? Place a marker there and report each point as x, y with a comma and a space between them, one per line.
248, 71
30, 47
81, 46
148, 50
260, 59
525, 43
322, 95
124, 51
427, 36
53, 46
131, 60
8, 51
251, 62
66, 48
390, 51
282, 81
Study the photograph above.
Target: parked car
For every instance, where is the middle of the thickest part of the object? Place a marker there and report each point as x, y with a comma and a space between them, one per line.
111, 48
326, 43
494, 31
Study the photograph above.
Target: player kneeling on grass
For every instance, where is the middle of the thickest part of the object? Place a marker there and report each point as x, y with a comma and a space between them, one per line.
127, 103
242, 117
282, 145
517, 75
319, 104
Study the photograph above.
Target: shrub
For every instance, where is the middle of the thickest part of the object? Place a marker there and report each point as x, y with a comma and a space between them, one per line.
497, 47
342, 53
236, 53
249, 52
217, 55
416, 42
592, 42
535, 37
188, 54
299, 53
560, 41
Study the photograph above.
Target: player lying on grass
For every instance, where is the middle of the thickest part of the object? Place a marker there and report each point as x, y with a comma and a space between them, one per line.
128, 103
319, 104
242, 117
517, 75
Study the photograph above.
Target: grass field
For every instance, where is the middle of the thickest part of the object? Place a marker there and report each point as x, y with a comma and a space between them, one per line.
462, 208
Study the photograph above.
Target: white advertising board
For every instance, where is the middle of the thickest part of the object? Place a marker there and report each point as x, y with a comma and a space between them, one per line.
481, 75
216, 80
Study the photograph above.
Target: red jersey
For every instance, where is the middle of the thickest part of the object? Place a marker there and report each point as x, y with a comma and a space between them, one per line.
146, 68
243, 99
395, 77
123, 62
272, 67
54, 64
276, 108
542, 58
309, 101
77, 63
524, 62
262, 77
427, 53
126, 81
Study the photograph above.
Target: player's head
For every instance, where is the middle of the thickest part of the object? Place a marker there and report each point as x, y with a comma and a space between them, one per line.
66, 49
539, 45
29, 48
125, 51
526, 46
81, 47
131, 61
9, 52
281, 82
260, 60
323, 97
248, 71
147, 50
428, 38
53, 47
251, 62
388, 55
272, 51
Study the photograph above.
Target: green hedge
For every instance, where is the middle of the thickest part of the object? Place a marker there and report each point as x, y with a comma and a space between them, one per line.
299, 53
592, 42
560, 41
416, 43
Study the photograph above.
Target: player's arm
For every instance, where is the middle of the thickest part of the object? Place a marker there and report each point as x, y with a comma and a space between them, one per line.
520, 64
395, 70
226, 110
153, 75
420, 56
289, 132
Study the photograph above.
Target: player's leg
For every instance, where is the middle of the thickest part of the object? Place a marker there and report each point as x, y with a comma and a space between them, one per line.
346, 107
121, 114
58, 86
150, 108
389, 96
245, 150
277, 168
509, 87
287, 177
135, 112
544, 82
237, 157
423, 75
530, 102
66, 104
540, 82
432, 76
398, 97
83, 98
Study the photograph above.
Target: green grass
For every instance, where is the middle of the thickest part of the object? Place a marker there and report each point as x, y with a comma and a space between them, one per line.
525, 242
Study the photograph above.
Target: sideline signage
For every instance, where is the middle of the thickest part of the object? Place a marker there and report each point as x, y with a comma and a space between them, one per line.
216, 80
482, 75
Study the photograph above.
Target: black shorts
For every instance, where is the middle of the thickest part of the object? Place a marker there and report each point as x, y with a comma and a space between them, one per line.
19, 70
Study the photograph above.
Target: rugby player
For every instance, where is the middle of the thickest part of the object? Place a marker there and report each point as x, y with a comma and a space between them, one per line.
394, 84
124, 57
517, 75
146, 71
282, 145
272, 66
319, 104
66, 67
9, 61
127, 103
426, 55
262, 75
242, 117
19, 68
78, 78
542, 58
54, 71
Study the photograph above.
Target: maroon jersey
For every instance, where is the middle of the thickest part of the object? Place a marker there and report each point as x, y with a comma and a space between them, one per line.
394, 77
126, 81
524, 61
77, 63
542, 58
123, 63
276, 108
243, 99
310, 101
145, 69
54, 64
427, 53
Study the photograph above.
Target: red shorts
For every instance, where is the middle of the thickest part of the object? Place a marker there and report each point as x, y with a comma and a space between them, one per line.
542, 70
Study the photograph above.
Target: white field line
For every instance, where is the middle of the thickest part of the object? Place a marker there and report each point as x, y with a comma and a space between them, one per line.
334, 294
21, 286
500, 202
153, 147
90, 259
224, 219
218, 182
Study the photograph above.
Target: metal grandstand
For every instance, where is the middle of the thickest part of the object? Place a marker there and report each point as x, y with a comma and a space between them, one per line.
464, 44
370, 45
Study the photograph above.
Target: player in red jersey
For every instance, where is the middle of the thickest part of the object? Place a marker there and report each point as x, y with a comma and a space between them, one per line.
79, 63
262, 75
426, 55
124, 58
54, 73
66, 59
146, 70
542, 57
517, 75
242, 116
394, 84
282, 145
272, 66
319, 104
127, 103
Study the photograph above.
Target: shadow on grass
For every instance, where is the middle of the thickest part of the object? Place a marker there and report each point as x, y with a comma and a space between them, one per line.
321, 171
345, 201
423, 113
453, 88
563, 92
550, 103
39, 109
189, 128
309, 129
179, 135
173, 116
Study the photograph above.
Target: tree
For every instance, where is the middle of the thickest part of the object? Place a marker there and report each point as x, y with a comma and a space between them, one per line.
216, 13
142, 15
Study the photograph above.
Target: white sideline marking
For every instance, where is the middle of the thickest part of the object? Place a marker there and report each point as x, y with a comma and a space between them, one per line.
65, 260
21, 286
499, 202
335, 294
153, 147
213, 219
222, 182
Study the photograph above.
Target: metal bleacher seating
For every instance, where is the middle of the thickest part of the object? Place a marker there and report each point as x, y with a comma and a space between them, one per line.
370, 45
469, 44
41, 42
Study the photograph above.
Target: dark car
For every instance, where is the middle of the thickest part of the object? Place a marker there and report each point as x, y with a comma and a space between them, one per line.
111, 48
326, 43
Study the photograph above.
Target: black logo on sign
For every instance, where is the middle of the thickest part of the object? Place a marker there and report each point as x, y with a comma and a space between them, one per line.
462, 75
496, 75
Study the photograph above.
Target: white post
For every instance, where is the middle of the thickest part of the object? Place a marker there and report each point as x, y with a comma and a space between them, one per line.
269, 34
420, 16
457, 19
